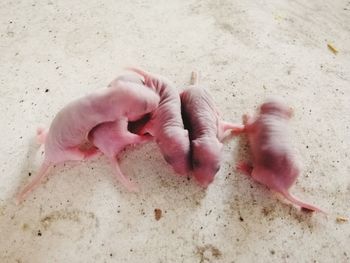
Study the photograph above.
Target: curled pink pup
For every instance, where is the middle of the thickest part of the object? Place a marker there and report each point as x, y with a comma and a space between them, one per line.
166, 125
70, 127
206, 131
274, 162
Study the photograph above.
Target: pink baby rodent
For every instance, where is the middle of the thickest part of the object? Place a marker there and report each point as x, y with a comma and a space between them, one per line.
112, 137
166, 124
70, 127
274, 162
206, 131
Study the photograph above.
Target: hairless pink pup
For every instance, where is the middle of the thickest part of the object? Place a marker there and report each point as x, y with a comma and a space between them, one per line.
206, 130
274, 162
166, 123
112, 137
70, 128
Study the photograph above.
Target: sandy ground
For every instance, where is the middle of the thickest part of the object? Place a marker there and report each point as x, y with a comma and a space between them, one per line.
54, 51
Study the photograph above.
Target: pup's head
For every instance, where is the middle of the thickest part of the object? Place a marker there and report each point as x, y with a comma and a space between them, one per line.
206, 160
175, 147
276, 106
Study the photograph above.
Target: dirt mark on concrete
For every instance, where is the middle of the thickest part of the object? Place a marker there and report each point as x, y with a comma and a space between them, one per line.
208, 253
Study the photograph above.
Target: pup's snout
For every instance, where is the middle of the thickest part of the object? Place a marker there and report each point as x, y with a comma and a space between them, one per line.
181, 169
204, 182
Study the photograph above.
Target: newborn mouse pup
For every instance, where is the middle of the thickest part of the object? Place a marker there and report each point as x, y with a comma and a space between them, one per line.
206, 130
274, 162
70, 127
166, 124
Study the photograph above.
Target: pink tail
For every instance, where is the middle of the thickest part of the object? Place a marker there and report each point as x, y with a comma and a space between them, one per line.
122, 178
194, 78
300, 203
41, 133
33, 184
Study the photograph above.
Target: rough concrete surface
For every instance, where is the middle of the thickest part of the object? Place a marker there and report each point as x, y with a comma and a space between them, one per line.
54, 51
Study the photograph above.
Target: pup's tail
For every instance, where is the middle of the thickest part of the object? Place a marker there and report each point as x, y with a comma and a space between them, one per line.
122, 178
194, 78
300, 203
34, 183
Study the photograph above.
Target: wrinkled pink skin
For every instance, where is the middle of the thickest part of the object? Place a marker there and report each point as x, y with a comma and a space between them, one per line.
166, 123
274, 163
70, 127
206, 131
112, 137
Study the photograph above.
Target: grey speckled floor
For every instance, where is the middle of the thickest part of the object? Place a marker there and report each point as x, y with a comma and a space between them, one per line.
53, 51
